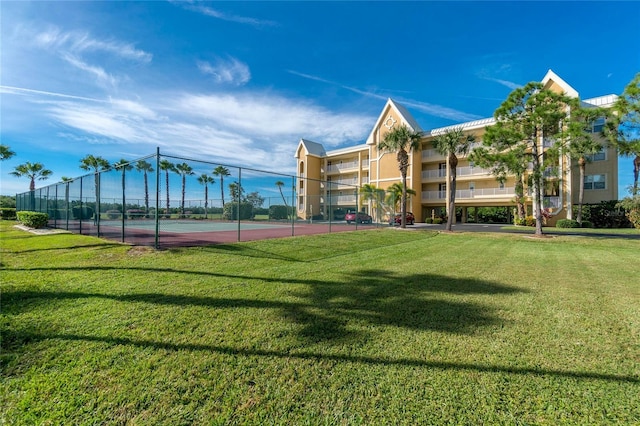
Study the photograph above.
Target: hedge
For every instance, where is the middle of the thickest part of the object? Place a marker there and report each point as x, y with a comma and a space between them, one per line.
567, 223
33, 219
7, 213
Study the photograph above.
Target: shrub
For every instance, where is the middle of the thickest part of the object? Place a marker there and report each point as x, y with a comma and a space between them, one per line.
113, 214
438, 221
567, 223
230, 211
428, 220
634, 217
586, 224
7, 213
277, 212
80, 213
530, 221
519, 222
33, 219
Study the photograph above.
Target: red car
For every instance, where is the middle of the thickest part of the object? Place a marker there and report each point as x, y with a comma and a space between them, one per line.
357, 217
397, 219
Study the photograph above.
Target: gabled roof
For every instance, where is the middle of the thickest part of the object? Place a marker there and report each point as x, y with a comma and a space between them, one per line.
568, 90
404, 115
313, 148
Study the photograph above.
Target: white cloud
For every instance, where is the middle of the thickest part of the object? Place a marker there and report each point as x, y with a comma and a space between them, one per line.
254, 130
102, 77
214, 13
431, 109
509, 84
79, 42
230, 71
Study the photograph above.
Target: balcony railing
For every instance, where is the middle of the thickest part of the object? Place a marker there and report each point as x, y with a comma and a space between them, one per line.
465, 194
342, 199
433, 174
336, 168
472, 171
351, 182
461, 171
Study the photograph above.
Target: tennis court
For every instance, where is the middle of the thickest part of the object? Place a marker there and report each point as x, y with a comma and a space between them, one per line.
186, 233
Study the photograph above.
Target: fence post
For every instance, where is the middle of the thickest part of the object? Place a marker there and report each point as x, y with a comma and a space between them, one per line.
80, 223
239, 197
124, 204
294, 206
156, 246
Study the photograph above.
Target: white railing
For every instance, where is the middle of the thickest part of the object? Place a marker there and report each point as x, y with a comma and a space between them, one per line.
470, 193
353, 181
341, 199
334, 168
365, 180
461, 171
431, 153
433, 174
365, 163
472, 171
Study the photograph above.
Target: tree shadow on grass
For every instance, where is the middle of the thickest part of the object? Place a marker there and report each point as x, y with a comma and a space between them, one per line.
322, 309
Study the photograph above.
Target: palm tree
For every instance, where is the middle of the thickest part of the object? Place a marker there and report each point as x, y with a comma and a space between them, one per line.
97, 164
451, 143
582, 144
123, 165
370, 192
145, 168
5, 152
221, 172
184, 170
167, 166
205, 180
34, 171
280, 184
237, 191
66, 180
394, 195
400, 140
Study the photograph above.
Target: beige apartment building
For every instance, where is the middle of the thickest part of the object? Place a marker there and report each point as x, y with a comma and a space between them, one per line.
329, 182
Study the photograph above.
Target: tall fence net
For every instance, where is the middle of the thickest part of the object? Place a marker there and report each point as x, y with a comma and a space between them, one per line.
166, 201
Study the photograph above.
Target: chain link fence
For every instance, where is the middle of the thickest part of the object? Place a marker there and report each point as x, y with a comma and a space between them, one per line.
167, 201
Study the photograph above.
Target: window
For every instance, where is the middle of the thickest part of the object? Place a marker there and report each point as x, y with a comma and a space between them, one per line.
600, 156
595, 182
597, 125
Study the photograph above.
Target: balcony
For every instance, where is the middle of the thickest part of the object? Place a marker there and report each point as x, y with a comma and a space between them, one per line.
433, 174
349, 182
342, 199
472, 171
431, 154
350, 165
466, 194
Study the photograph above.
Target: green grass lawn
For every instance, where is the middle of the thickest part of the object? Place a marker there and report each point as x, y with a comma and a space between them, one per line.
370, 327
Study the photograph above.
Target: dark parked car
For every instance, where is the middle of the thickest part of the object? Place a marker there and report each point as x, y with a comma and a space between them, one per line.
358, 217
397, 219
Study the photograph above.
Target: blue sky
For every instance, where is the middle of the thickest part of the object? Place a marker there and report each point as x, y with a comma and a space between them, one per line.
240, 83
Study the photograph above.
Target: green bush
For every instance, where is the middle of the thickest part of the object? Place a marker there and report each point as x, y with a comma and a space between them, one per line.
278, 212
586, 224
230, 211
33, 219
428, 220
634, 217
567, 223
113, 214
530, 221
81, 213
7, 213
438, 221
